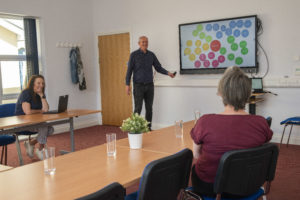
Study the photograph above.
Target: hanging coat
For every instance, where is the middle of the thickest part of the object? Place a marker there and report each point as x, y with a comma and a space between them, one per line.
73, 64
77, 73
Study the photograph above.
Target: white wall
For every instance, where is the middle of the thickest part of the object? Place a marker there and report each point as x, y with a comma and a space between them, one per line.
159, 21
64, 21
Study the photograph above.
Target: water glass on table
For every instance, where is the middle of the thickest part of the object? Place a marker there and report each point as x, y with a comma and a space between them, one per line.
49, 161
179, 128
197, 115
111, 144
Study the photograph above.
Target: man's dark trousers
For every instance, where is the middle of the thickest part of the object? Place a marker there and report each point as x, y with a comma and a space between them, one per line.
143, 91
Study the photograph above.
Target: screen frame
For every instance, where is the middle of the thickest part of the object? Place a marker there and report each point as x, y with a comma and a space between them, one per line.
248, 69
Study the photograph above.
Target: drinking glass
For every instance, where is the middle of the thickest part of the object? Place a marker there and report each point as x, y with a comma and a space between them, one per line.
49, 162
111, 144
179, 128
197, 115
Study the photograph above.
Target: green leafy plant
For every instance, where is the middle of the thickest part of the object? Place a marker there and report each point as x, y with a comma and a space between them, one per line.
135, 124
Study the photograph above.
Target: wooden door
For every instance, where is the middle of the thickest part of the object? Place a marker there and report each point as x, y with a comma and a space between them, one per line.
114, 51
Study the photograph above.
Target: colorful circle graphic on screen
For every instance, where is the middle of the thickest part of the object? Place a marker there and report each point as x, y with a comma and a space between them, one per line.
245, 33
230, 39
228, 31
244, 51
238, 60
236, 33
187, 51
202, 35
234, 46
215, 45
208, 38
198, 43
223, 28
211, 55
230, 56
200, 27
232, 24
195, 33
243, 44
202, 57
223, 50
208, 27
239, 23
206, 63
189, 43
221, 59
197, 64
192, 57
219, 34
215, 63
247, 23
216, 27
205, 46
197, 51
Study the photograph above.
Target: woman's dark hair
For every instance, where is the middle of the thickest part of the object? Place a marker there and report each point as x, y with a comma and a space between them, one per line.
30, 85
235, 88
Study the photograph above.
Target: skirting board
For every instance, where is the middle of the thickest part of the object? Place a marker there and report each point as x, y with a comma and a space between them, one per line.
77, 125
276, 136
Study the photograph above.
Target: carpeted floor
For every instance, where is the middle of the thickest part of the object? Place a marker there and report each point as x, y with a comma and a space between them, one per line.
285, 186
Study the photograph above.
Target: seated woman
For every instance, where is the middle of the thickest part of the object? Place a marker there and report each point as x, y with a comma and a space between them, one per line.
33, 100
232, 129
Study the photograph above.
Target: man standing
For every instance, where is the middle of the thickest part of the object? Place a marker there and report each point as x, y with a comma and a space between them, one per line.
140, 64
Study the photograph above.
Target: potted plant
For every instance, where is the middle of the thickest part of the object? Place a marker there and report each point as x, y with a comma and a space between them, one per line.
135, 125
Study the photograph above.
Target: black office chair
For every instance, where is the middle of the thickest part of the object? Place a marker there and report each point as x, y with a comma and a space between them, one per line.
243, 172
269, 121
114, 191
8, 110
164, 178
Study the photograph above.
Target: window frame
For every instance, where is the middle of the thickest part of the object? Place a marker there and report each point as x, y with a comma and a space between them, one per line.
17, 58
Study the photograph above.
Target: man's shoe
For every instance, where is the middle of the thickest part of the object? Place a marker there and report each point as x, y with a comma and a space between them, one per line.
39, 153
29, 149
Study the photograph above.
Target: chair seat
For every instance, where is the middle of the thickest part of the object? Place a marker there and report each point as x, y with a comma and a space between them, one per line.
6, 139
254, 196
291, 120
132, 196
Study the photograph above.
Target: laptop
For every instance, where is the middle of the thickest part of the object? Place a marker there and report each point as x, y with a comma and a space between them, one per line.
257, 85
62, 105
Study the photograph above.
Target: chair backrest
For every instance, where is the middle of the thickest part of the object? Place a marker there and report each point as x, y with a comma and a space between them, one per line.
269, 121
7, 110
243, 172
114, 191
162, 179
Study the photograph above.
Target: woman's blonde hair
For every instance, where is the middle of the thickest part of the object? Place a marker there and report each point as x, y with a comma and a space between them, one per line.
235, 88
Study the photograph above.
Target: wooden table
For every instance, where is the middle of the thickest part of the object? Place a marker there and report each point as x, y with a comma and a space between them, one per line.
164, 140
77, 174
4, 168
11, 125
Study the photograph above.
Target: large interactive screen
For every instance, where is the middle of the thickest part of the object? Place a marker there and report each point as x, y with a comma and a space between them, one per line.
212, 46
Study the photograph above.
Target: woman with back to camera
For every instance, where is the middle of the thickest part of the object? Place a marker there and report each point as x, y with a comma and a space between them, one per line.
232, 129
32, 100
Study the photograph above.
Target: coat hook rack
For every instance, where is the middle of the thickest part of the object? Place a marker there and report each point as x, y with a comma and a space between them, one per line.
68, 45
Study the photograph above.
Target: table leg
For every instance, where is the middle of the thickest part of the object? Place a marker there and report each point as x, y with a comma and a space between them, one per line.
72, 134
71, 121
252, 108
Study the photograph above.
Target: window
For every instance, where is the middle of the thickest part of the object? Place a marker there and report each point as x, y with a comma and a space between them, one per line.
18, 55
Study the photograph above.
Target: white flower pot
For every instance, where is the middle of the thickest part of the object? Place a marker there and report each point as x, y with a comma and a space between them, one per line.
135, 140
